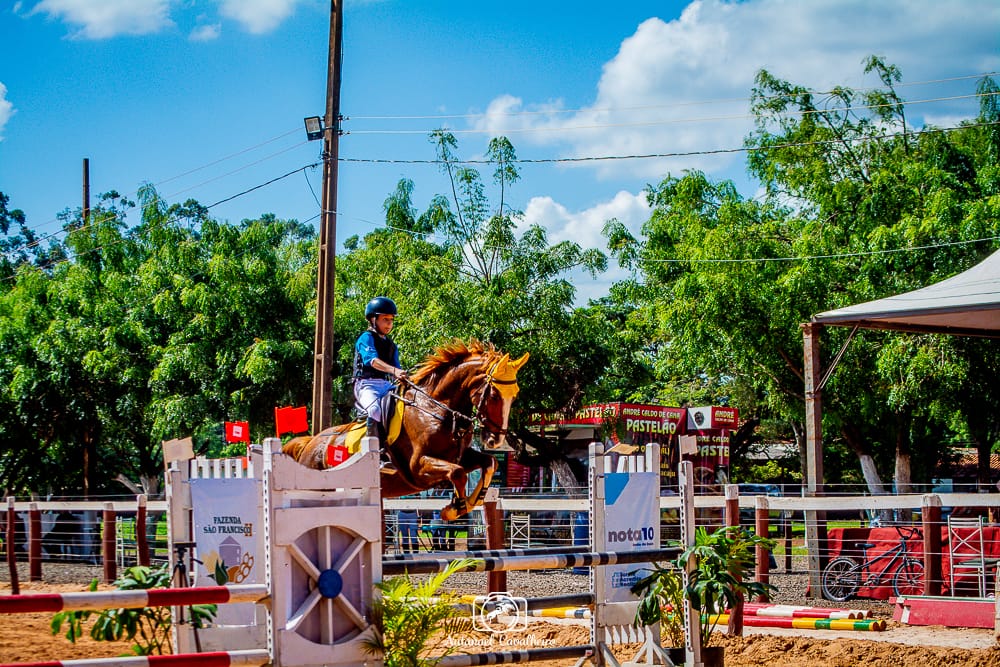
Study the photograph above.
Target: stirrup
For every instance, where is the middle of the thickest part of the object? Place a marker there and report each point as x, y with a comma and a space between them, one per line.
384, 460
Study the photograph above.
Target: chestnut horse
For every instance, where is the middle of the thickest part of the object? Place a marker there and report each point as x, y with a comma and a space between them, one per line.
458, 389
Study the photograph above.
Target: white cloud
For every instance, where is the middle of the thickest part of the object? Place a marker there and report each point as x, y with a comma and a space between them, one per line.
206, 32
584, 227
682, 86
257, 16
101, 19
6, 109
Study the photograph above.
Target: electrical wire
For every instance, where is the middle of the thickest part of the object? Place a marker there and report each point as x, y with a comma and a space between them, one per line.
804, 258
677, 121
648, 107
646, 156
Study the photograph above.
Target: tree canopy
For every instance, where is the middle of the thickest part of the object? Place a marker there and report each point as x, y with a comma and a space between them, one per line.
115, 335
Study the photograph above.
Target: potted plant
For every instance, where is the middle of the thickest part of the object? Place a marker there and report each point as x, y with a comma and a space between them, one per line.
722, 576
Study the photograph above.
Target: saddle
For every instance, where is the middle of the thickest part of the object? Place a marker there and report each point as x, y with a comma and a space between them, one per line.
391, 424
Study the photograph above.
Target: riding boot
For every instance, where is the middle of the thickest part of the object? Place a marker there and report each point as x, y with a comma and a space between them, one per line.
374, 430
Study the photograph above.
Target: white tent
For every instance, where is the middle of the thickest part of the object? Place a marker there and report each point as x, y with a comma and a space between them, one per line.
967, 304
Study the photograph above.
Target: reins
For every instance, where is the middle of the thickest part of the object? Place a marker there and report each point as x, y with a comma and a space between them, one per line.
473, 420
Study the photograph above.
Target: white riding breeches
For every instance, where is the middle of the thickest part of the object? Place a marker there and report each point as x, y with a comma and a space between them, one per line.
367, 394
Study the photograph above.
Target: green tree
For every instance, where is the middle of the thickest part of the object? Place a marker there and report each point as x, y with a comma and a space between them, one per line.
162, 330
464, 269
847, 182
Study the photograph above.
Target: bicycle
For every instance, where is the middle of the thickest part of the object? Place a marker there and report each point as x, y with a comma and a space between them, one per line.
843, 576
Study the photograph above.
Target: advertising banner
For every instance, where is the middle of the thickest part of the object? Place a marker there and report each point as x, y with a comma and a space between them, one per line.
227, 530
632, 521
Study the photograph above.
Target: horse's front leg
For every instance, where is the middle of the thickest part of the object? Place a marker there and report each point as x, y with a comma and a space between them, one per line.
473, 459
429, 471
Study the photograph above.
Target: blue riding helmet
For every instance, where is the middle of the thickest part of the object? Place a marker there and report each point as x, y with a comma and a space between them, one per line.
380, 305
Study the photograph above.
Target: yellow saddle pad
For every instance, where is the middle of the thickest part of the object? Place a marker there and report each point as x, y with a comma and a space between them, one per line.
357, 430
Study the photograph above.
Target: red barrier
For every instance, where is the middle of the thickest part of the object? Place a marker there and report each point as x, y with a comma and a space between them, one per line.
155, 597
213, 659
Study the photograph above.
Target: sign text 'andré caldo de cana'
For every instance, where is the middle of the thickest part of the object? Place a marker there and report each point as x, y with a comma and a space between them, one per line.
699, 434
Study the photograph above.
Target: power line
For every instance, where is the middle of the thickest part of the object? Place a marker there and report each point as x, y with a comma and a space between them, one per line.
843, 255
160, 183
647, 156
720, 151
647, 107
673, 121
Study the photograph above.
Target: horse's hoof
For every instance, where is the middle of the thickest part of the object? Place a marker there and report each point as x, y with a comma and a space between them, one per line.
449, 513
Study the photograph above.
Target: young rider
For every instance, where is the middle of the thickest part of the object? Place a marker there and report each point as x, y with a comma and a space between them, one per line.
376, 362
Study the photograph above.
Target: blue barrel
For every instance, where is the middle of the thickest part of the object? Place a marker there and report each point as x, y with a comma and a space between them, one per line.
581, 537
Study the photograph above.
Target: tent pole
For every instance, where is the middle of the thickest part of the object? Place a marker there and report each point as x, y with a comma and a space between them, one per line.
815, 520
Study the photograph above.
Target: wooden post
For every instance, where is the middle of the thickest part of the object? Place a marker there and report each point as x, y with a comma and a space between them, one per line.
735, 627
930, 513
34, 543
15, 587
496, 582
108, 543
763, 556
786, 526
815, 520
141, 539
692, 620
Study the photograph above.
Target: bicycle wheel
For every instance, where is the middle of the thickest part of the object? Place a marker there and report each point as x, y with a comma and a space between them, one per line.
909, 578
841, 579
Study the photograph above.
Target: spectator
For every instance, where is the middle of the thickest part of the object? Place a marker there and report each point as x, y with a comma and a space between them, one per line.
409, 526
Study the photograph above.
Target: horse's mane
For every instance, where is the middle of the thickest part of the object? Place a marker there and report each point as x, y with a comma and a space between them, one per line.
448, 356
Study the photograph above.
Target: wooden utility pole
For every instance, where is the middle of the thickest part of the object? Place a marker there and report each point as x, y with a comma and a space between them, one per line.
89, 446
322, 403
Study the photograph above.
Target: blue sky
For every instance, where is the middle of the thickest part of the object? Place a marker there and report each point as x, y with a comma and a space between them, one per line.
205, 99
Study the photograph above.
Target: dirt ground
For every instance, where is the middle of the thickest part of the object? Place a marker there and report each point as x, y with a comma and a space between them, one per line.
29, 638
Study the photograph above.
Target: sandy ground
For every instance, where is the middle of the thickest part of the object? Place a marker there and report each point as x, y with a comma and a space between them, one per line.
30, 639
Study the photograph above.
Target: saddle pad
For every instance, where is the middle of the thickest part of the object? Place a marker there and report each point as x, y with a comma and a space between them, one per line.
357, 430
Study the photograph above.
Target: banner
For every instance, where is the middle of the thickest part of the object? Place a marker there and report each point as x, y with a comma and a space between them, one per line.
631, 522
226, 523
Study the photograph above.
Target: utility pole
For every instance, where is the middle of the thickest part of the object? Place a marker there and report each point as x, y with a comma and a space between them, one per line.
89, 448
322, 403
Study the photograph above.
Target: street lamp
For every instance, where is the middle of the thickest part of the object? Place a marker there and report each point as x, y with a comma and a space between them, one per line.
314, 128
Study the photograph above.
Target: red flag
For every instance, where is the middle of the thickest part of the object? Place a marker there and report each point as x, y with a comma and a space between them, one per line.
291, 420
335, 455
238, 432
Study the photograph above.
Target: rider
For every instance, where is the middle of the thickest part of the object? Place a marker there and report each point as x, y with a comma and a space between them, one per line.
376, 363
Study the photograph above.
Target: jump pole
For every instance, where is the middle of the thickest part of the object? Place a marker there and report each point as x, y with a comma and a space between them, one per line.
213, 659
130, 599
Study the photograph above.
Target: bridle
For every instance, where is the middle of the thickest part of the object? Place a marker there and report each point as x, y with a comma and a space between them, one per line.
473, 420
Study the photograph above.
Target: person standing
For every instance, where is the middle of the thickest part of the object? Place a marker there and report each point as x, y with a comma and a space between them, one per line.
409, 526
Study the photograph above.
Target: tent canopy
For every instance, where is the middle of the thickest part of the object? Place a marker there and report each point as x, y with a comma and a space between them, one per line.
967, 304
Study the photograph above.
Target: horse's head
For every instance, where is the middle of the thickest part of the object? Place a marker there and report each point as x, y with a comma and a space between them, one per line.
498, 394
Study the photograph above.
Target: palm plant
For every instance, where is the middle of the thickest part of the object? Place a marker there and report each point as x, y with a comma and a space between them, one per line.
408, 614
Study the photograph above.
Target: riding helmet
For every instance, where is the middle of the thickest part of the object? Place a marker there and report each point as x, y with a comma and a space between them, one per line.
380, 305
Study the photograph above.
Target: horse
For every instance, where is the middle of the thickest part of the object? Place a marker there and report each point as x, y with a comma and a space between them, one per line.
459, 388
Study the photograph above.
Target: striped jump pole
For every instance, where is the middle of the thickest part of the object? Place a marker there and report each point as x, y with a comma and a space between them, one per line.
154, 597
870, 624
792, 611
561, 612
510, 657
550, 562
215, 659
543, 602
486, 553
